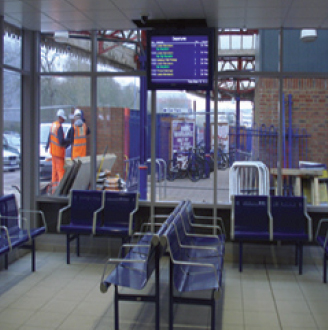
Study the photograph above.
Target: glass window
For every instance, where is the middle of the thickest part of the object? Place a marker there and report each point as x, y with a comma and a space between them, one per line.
300, 55
117, 51
12, 47
11, 148
65, 94
118, 131
63, 53
180, 148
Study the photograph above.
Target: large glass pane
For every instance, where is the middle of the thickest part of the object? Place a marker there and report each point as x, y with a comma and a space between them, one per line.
117, 51
67, 94
12, 47
303, 56
305, 127
180, 148
247, 132
267, 50
11, 148
118, 131
64, 53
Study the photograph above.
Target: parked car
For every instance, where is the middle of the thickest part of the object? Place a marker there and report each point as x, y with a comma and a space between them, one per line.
11, 142
45, 157
10, 161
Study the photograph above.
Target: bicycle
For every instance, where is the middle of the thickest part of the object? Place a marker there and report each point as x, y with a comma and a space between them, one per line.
182, 165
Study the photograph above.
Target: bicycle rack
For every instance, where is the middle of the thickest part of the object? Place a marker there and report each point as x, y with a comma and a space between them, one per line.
159, 162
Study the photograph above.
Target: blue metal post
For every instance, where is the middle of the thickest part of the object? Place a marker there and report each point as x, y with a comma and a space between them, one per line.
237, 126
208, 134
283, 130
290, 132
143, 127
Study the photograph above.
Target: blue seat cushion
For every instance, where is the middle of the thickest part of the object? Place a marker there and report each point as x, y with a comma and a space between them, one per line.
114, 230
76, 229
253, 235
21, 239
192, 278
37, 231
290, 236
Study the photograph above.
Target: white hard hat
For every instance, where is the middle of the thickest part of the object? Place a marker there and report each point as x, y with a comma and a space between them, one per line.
61, 113
77, 112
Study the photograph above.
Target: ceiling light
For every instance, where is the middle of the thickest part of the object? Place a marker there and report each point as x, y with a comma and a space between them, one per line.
308, 35
61, 36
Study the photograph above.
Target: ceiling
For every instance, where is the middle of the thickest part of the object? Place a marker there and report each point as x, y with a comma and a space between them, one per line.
76, 15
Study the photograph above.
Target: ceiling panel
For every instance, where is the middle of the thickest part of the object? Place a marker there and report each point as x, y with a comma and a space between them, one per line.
112, 14
92, 5
105, 14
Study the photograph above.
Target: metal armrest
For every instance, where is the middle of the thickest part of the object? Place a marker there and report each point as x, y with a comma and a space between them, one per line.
132, 245
94, 220
218, 228
36, 212
309, 220
8, 237
60, 214
117, 261
321, 222
222, 228
149, 224
19, 218
197, 264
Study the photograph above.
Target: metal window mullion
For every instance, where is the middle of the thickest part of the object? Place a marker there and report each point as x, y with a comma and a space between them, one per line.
93, 160
1, 100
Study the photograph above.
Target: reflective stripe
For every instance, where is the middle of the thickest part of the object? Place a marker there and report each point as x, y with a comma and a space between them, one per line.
79, 147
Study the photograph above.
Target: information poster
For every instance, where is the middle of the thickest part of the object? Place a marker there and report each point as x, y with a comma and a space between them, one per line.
183, 135
223, 136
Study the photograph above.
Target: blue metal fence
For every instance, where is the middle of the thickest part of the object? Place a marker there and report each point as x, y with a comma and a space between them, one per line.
261, 143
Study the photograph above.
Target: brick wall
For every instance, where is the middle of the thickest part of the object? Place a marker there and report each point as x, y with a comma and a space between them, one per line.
309, 110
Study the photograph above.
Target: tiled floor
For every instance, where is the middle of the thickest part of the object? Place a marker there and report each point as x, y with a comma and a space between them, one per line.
268, 296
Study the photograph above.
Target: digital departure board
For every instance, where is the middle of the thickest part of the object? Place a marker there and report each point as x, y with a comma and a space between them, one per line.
181, 60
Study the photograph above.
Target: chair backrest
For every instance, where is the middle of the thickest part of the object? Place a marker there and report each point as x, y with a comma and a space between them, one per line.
83, 205
288, 214
250, 214
172, 240
9, 212
118, 207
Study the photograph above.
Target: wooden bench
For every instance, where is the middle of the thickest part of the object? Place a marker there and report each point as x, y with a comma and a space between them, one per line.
16, 229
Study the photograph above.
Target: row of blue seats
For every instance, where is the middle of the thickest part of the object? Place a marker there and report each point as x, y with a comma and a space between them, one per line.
322, 240
271, 218
98, 213
196, 262
16, 229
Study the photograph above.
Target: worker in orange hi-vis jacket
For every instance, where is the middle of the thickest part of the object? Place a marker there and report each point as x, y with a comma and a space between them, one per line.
57, 145
77, 135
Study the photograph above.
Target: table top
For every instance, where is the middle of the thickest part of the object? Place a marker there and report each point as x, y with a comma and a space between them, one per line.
297, 171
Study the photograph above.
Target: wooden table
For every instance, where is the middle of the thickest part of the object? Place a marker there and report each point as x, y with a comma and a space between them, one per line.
298, 174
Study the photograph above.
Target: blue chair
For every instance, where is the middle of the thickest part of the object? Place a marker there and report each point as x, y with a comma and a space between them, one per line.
322, 240
251, 220
83, 207
17, 228
188, 274
118, 214
291, 223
